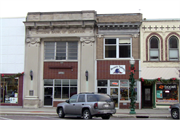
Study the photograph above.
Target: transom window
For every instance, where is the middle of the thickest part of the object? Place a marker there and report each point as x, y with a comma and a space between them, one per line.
154, 49
61, 50
118, 48
173, 49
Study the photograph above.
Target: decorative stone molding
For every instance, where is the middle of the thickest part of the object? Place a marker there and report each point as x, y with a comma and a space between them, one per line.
135, 35
33, 41
100, 35
87, 40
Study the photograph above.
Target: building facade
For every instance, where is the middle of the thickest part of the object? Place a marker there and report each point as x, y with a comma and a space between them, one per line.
160, 62
12, 34
117, 42
59, 49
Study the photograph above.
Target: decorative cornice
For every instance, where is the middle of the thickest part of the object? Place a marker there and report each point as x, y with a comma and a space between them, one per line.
87, 40
33, 41
167, 27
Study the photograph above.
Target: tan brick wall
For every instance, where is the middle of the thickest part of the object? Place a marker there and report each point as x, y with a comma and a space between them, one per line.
120, 18
99, 52
136, 47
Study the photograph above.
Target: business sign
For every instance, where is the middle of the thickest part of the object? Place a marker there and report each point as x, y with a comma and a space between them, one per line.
117, 69
167, 87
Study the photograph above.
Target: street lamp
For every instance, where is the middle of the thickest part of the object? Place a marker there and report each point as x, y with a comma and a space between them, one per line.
131, 79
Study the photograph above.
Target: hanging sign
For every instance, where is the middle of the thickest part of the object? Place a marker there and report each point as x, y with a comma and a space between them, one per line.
117, 69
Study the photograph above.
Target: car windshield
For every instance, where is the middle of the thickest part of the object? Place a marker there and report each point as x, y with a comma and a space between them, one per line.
96, 98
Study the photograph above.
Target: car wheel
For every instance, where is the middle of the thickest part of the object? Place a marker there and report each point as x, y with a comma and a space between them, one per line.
61, 113
86, 114
106, 117
175, 114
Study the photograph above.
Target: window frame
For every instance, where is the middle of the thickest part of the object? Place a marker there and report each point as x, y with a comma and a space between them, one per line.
177, 49
61, 87
117, 47
158, 49
55, 51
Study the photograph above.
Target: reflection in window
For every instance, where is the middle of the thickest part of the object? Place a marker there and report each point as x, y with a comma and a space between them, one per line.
102, 90
102, 82
154, 49
173, 48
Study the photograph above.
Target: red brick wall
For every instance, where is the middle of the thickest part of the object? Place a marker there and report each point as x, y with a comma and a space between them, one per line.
20, 94
70, 70
55, 103
121, 106
103, 69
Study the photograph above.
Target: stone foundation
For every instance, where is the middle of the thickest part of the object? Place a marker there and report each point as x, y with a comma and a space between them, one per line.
31, 102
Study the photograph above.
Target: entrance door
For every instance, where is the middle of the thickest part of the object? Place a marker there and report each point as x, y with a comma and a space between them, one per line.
147, 96
114, 95
48, 95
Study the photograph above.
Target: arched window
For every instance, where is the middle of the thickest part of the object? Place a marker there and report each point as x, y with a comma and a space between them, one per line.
173, 48
154, 49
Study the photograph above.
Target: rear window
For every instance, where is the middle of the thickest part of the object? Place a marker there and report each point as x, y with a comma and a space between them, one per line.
96, 98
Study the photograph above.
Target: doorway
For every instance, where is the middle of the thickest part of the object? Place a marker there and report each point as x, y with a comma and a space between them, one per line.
146, 96
114, 95
48, 95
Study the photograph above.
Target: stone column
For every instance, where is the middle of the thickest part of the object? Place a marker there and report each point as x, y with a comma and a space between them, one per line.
87, 63
32, 62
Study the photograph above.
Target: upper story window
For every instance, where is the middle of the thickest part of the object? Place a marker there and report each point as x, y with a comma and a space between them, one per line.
173, 49
118, 48
61, 50
154, 49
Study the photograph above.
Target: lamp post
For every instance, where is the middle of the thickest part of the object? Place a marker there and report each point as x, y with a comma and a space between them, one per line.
131, 79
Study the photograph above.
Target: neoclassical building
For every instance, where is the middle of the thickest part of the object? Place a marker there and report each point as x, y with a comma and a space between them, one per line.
160, 55
59, 48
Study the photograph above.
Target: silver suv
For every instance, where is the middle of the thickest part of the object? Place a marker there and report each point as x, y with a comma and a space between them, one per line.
87, 105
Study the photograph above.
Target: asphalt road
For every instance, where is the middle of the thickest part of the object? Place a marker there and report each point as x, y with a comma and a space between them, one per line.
27, 117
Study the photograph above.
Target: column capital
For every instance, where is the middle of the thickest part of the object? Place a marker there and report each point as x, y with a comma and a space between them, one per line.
33, 41
87, 40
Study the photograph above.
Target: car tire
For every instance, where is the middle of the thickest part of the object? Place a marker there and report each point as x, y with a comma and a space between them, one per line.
87, 114
175, 114
106, 117
61, 113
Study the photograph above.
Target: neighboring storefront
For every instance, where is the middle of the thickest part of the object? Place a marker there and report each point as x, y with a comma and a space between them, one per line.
117, 42
11, 89
12, 35
160, 41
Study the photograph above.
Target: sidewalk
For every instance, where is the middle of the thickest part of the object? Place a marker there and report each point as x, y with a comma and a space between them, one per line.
121, 113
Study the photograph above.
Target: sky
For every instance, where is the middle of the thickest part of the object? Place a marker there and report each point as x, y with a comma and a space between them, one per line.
151, 9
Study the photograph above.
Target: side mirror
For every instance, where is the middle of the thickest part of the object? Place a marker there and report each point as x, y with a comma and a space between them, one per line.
67, 101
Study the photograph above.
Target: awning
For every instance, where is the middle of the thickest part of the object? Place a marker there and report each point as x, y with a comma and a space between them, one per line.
164, 73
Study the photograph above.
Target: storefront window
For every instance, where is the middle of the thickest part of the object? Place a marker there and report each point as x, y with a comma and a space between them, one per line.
124, 90
63, 89
102, 82
9, 90
166, 93
114, 83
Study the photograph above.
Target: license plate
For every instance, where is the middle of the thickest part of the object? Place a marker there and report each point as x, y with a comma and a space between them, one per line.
106, 105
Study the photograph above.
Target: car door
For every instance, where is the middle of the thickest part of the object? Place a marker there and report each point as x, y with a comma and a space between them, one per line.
80, 104
70, 108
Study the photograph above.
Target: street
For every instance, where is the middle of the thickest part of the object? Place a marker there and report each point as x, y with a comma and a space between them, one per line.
28, 117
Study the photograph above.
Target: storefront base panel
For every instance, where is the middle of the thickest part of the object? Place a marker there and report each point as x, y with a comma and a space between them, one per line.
127, 106
31, 102
55, 103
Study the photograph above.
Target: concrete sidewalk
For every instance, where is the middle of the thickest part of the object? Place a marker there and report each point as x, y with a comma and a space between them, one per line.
121, 113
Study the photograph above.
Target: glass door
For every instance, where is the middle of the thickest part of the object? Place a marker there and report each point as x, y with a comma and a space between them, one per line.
48, 96
114, 95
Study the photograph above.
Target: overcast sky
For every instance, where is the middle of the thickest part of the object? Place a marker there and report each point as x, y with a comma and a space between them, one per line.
151, 9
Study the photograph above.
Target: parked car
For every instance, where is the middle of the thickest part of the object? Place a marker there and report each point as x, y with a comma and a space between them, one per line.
174, 110
87, 105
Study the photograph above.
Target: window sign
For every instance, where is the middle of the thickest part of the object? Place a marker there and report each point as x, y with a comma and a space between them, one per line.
159, 94
117, 69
